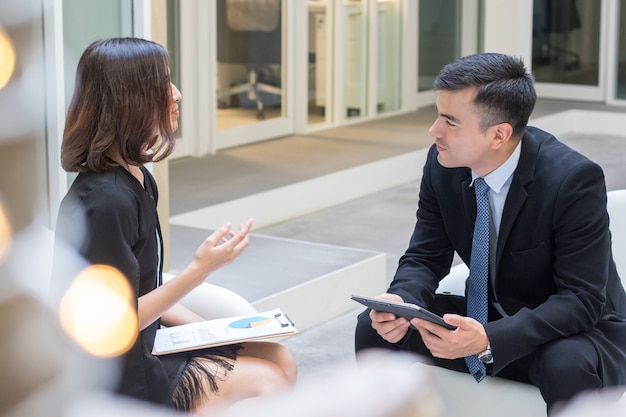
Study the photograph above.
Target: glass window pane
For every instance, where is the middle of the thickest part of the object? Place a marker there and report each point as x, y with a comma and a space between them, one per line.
621, 53
439, 40
249, 62
173, 47
355, 91
320, 30
173, 40
85, 21
389, 47
566, 41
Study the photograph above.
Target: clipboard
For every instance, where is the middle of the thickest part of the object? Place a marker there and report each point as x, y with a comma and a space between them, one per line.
406, 310
220, 332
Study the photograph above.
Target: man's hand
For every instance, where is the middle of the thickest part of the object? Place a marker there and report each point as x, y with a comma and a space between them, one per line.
469, 338
387, 325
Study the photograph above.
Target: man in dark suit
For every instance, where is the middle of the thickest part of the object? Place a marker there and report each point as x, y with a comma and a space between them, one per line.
556, 307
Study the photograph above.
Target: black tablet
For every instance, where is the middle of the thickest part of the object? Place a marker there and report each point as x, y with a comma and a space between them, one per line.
400, 309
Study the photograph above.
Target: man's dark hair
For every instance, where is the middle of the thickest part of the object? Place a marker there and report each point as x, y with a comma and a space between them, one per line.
505, 89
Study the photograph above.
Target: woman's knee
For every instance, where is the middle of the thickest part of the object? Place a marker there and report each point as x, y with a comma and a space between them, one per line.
286, 362
254, 377
250, 377
273, 352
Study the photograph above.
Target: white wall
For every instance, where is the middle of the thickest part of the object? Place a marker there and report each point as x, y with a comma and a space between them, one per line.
508, 27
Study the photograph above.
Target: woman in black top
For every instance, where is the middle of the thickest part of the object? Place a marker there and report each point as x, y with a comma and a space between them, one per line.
123, 114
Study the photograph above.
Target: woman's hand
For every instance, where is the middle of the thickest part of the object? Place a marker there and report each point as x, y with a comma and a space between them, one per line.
220, 248
217, 250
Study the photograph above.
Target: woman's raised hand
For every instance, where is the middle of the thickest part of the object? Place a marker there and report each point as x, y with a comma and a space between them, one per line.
217, 250
221, 248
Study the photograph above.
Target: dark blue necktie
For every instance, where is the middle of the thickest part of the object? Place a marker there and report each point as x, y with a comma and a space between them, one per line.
479, 270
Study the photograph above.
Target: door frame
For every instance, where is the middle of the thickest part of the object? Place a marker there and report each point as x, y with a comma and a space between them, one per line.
596, 93
469, 35
198, 47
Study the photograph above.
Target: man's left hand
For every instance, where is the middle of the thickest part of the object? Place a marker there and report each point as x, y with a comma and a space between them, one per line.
469, 338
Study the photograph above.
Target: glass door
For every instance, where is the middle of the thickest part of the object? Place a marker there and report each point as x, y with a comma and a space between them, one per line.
388, 61
447, 30
252, 71
617, 55
249, 62
354, 61
82, 22
319, 62
567, 49
236, 73
439, 39
355, 42
85, 21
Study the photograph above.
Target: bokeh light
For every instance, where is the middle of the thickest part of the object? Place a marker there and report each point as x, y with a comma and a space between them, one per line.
98, 312
7, 58
5, 234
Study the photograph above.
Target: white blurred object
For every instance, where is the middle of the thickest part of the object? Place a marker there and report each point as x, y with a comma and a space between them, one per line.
383, 385
493, 397
616, 206
454, 282
606, 403
213, 302
41, 368
31, 260
104, 404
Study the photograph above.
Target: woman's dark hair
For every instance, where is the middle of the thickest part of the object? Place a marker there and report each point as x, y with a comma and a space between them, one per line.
505, 90
122, 95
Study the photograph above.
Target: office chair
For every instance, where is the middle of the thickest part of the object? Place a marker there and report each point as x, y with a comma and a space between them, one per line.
250, 34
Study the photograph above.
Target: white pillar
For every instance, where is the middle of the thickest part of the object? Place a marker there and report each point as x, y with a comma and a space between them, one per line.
508, 26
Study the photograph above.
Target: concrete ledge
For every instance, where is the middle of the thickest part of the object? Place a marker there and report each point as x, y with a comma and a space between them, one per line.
326, 297
582, 121
311, 282
294, 200
308, 196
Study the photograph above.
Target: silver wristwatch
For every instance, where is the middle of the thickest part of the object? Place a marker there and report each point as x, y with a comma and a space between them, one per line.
486, 356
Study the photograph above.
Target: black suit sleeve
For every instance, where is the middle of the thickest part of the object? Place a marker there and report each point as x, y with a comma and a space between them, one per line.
429, 255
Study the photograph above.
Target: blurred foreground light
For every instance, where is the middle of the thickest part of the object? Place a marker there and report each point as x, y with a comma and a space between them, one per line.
7, 58
97, 311
5, 234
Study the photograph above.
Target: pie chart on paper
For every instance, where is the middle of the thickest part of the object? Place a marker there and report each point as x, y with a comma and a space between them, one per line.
250, 322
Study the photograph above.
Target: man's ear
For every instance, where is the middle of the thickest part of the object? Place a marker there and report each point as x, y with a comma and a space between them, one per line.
501, 134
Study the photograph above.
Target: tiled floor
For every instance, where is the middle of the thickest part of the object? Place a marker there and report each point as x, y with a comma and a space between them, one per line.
245, 170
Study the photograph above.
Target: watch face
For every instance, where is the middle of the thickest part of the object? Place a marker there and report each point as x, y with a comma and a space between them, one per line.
485, 357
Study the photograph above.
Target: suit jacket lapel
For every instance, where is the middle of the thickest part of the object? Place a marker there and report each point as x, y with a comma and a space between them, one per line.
469, 201
523, 175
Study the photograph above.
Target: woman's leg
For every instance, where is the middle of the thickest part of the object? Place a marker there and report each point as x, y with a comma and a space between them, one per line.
273, 352
250, 377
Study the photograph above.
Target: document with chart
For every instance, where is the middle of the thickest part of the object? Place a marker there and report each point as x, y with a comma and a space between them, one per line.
221, 332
